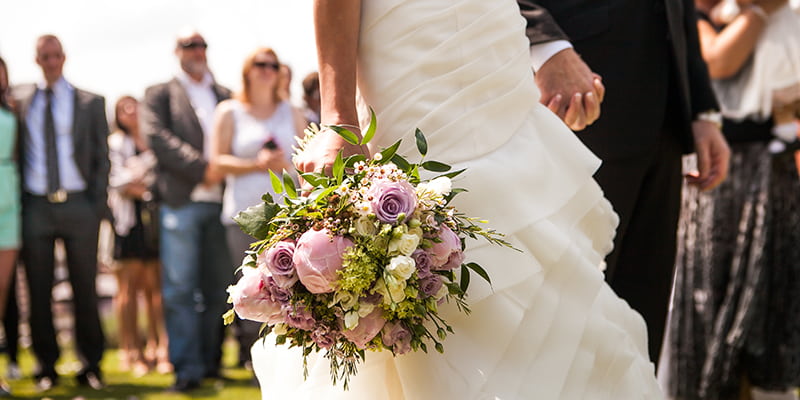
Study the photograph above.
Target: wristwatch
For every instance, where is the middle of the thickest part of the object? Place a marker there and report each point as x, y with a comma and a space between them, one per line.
712, 116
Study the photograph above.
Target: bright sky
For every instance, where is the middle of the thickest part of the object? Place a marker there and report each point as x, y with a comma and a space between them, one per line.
121, 47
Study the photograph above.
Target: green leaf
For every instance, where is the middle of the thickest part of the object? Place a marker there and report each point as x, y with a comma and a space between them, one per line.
388, 153
314, 178
322, 196
422, 144
401, 163
373, 122
346, 134
288, 184
254, 220
277, 186
453, 174
352, 160
435, 166
479, 270
338, 168
464, 280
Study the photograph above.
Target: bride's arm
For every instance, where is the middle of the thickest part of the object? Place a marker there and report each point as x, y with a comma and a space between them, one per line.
336, 25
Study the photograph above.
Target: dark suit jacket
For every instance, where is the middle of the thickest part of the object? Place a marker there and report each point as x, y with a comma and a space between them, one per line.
89, 140
176, 138
647, 52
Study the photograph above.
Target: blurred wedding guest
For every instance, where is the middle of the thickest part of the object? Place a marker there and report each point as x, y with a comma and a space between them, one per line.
64, 167
9, 201
253, 133
311, 97
737, 284
285, 82
135, 210
177, 116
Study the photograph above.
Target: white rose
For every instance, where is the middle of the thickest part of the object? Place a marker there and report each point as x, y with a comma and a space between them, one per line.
280, 329
392, 290
401, 267
405, 244
365, 226
351, 320
346, 299
365, 309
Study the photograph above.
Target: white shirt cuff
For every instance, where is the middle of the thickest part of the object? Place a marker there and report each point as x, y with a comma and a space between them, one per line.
542, 52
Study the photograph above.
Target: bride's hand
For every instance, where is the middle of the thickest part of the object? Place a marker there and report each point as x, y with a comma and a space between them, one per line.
321, 152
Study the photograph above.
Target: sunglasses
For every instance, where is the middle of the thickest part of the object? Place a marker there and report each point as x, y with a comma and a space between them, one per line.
193, 45
264, 64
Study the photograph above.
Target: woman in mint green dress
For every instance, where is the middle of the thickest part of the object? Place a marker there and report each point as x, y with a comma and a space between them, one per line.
9, 198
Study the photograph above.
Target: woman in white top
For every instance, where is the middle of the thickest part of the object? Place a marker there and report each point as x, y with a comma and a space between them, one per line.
253, 133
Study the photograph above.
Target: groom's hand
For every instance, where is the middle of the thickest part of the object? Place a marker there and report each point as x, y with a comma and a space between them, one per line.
713, 155
570, 89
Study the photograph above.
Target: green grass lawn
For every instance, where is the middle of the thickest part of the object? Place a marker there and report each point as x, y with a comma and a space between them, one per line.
124, 386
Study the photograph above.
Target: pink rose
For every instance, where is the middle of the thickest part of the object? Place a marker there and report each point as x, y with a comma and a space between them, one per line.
278, 259
448, 244
396, 336
391, 199
317, 257
366, 329
252, 299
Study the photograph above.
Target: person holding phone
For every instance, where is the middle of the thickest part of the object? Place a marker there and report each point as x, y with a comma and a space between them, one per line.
253, 133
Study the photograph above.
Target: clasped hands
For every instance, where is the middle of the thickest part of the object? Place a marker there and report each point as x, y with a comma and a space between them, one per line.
570, 89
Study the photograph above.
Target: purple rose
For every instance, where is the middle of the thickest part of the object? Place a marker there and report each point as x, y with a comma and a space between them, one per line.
396, 336
317, 257
252, 300
423, 260
448, 244
279, 262
324, 337
366, 329
278, 294
431, 285
389, 199
298, 316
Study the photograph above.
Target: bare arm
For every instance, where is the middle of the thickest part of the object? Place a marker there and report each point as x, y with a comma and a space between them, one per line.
336, 25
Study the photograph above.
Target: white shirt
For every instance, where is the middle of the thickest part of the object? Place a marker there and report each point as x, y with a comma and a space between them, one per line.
204, 101
542, 52
63, 108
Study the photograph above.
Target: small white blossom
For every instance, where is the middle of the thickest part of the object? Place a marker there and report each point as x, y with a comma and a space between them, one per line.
351, 320
280, 329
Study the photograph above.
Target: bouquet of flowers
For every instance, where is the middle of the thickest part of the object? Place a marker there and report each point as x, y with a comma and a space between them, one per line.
363, 261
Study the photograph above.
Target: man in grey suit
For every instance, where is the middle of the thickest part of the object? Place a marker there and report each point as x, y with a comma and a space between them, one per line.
63, 156
177, 117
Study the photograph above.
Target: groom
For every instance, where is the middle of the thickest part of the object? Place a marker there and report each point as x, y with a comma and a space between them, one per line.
659, 105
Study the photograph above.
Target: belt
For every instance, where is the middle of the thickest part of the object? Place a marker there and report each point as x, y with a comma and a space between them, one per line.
57, 197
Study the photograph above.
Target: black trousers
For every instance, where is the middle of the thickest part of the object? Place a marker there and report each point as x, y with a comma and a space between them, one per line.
645, 191
76, 223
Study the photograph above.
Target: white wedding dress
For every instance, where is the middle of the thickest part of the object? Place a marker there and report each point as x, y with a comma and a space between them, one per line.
549, 328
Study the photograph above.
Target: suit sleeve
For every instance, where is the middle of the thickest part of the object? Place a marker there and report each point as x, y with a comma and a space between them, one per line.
174, 154
702, 94
102, 163
540, 25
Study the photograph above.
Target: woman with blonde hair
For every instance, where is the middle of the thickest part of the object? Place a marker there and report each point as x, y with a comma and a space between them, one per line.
253, 133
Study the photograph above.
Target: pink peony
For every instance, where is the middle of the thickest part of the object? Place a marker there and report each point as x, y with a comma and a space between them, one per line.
317, 257
391, 199
448, 244
396, 336
366, 329
252, 299
278, 259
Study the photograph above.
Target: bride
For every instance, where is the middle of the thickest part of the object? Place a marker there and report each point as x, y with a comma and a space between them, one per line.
549, 327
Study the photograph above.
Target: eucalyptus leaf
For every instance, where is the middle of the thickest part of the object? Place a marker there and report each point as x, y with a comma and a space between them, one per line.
371, 128
435, 166
388, 153
277, 186
422, 144
288, 184
479, 270
346, 134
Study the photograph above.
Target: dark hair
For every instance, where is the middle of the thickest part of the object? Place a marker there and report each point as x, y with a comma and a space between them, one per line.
120, 126
4, 91
311, 83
